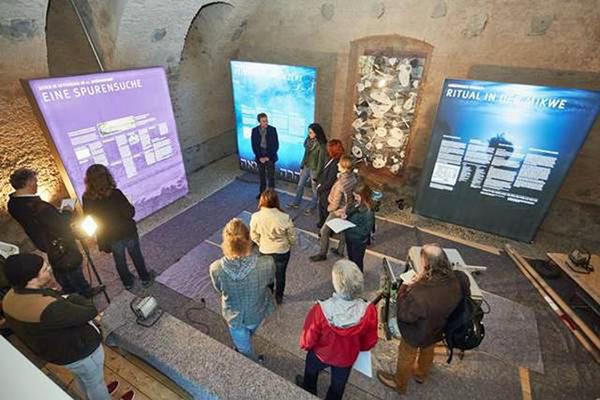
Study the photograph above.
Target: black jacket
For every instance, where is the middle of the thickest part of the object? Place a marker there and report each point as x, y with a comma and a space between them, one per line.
327, 178
114, 216
272, 143
44, 225
57, 330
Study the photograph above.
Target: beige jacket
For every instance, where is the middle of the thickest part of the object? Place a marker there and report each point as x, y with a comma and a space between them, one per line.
341, 192
272, 230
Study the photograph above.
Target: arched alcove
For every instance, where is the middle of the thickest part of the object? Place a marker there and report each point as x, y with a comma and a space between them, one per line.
202, 85
69, 52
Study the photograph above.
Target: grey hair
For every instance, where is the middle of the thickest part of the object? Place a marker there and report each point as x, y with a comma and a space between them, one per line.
438, 265
347, 279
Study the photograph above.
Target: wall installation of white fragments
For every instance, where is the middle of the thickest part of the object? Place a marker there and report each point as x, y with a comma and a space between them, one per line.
384, 110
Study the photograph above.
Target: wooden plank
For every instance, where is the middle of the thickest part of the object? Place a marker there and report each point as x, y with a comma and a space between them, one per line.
159, 376
590, 283
479, 246
138, 378
525, 383
580, 330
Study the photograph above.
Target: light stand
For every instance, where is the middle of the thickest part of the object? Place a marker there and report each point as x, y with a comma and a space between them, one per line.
89, 226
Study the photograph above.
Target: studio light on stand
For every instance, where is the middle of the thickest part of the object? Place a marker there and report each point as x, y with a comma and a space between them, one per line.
88, 227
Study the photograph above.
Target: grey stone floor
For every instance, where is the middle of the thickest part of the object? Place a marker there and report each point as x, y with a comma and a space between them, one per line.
568, 372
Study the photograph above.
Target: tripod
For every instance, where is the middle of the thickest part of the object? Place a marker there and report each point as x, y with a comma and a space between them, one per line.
91, 266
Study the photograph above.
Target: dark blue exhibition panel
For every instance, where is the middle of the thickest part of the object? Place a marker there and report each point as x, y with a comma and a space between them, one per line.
499, 153
286, 93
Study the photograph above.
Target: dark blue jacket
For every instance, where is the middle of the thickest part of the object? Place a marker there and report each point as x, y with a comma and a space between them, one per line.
272, 143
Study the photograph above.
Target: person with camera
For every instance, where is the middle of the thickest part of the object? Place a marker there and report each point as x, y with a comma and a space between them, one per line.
50, 231
423, 307
58, 329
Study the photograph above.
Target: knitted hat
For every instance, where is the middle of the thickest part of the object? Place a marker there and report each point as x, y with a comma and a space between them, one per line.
21, 268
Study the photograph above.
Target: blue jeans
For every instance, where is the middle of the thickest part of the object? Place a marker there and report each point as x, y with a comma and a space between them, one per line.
242, 339
72, 281
132, 245
305, 175
89, 375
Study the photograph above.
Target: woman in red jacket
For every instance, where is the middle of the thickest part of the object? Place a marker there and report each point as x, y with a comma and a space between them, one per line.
336, 330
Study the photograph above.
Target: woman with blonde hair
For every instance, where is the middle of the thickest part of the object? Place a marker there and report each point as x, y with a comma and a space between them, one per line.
243, 277
274, 233
117, 230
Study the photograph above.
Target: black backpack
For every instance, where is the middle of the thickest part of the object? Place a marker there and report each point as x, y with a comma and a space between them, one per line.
464, 329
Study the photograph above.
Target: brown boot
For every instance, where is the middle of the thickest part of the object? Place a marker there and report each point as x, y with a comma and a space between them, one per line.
389, 380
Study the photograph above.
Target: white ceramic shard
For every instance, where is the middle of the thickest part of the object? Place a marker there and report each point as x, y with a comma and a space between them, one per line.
357, 152
381, 131
410, 102
369, 146
392, 61
379, 145
379, 161
415, 84
396, 133
394, 142
360, 87
379, 110
404, 74
381, 97
357, 123
395, 168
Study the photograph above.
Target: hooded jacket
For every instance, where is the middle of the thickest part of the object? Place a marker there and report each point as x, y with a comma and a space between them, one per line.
337, 330
341, 191
243, 284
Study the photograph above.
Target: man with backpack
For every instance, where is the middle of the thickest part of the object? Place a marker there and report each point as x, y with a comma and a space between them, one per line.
423, 308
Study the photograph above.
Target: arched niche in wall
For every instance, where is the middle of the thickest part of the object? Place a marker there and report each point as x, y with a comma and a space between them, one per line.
202, 86
69, 52
385, 79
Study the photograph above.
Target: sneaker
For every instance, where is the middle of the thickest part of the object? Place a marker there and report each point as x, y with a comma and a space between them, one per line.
318, 257
129, 286
419, 380
389, 380
112, 387
260, 359
149, 282
128, 395
299, 381
292, 206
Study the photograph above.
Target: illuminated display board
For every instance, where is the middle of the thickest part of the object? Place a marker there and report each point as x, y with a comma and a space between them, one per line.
287, 95
123, 120
499, 153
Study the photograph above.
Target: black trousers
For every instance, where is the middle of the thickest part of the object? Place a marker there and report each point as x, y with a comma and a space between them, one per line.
322, 207
339, 377
266, 172
281, 263
356, 252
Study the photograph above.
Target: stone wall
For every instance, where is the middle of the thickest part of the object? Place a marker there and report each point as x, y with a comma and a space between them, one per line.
547, 42
536, 42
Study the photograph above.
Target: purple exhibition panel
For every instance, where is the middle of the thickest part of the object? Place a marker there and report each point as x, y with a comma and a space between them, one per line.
123, 120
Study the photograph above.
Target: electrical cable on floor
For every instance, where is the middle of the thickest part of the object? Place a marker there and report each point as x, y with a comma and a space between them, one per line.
201, 325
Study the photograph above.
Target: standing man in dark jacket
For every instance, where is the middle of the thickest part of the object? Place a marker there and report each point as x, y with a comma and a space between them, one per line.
56, 329
423, 308
49, 230
265, 145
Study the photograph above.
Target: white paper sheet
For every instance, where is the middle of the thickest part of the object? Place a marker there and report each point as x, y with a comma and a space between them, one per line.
363, 364
338, 225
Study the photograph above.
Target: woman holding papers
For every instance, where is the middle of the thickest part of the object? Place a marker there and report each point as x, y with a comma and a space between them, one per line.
336, 330
274, 233
362, 216
339, 199
327, 177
